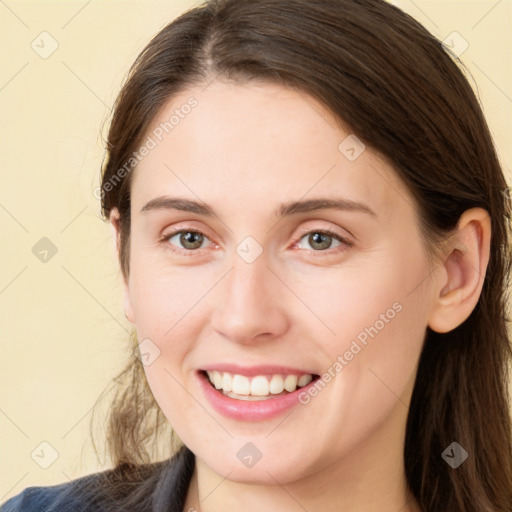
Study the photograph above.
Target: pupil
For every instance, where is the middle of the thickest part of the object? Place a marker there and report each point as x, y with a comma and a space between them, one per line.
191, 238
322, 240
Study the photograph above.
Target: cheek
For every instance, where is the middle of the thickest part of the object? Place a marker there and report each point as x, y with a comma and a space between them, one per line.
165, 299
374, 320
381, 295
166, 307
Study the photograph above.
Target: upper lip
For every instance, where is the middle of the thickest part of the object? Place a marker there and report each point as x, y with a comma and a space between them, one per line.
253, 371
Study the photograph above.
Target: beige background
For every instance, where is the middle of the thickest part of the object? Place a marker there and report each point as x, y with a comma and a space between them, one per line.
64, 335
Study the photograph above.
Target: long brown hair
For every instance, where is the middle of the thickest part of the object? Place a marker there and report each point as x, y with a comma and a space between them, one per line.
401, 92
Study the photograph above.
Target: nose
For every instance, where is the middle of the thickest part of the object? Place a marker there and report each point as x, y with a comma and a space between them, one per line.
252, 306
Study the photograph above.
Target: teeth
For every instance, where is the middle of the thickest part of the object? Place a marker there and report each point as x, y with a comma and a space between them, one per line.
290, 383
217, 380
304, 380
276, 384
241, 385
259, 386
227, 382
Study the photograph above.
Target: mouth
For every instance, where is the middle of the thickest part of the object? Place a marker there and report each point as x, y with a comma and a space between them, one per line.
254, 394
265, 386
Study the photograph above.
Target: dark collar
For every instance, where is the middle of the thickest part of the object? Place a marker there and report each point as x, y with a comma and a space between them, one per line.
171, 490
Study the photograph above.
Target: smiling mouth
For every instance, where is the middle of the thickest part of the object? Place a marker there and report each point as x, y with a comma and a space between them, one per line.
259, 387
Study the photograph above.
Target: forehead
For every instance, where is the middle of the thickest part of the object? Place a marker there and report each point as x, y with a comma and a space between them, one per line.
247, 144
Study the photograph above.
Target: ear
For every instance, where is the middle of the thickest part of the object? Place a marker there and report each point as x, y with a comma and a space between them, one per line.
115, 224
464, 266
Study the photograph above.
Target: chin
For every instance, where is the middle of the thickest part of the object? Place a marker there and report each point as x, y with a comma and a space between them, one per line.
270, 470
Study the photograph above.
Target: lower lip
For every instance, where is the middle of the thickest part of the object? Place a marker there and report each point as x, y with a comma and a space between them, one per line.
245, 410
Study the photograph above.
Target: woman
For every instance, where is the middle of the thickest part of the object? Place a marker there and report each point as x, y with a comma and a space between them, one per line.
312, 226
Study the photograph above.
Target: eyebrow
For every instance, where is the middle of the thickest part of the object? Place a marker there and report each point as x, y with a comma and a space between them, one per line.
284, 209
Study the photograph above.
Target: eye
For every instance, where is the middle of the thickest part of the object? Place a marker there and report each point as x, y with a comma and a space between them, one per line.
321, 240
190, 240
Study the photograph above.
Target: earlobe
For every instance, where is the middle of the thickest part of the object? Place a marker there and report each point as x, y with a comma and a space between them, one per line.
463, 273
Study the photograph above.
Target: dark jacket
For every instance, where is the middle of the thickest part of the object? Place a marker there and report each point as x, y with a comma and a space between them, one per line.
159, 487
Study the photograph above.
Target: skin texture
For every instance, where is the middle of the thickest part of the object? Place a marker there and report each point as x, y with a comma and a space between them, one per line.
244, 150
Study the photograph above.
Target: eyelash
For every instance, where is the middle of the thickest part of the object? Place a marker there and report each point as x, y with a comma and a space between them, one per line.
189, 252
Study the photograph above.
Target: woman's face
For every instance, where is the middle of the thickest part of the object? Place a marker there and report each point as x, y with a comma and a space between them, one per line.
261, 296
